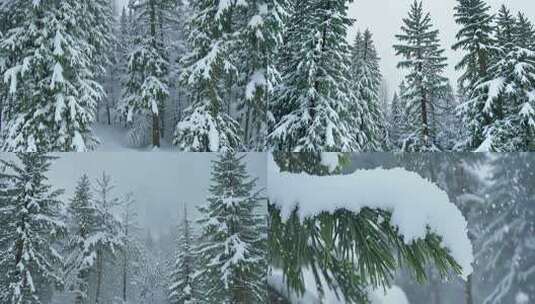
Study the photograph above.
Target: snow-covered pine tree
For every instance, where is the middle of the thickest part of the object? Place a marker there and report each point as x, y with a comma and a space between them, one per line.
146, 87
82, 240
260, 32
475, 39
506, 92
398, 118
131, 250
524, 36
32, 226
366, 79
209, 71
506, 245
327, 243
182, 286
50, 78
108, 237
314, 107
423, 57
232, 250
446, 121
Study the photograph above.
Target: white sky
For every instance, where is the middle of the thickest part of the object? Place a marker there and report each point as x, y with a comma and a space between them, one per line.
161, 182
384, 19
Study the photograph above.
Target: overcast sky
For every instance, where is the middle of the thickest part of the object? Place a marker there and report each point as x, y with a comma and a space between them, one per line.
161, 182
384, 19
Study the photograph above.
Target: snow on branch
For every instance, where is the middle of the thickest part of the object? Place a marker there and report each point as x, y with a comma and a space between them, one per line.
417, 205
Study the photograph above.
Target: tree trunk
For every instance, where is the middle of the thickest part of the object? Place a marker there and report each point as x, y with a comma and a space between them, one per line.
468, 290
155, 116
99, 276
108, 112
155, 130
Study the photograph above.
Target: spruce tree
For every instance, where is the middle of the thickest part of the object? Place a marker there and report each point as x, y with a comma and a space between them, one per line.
232, 251
475, 39
109, 237
51, 83
314, 108
422, 56
208, 69
32, 225
83, 240
182, 287
366, 78
146, 87
506, 93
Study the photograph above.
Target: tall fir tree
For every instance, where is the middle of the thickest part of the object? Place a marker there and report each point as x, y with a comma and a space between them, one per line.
366, 78
32, 222
109, 237
506, 92
82, 242
51, 79
182, 288
232, 251
146, 87
261, 37
314, 108
423, 57
475, 39
208, 69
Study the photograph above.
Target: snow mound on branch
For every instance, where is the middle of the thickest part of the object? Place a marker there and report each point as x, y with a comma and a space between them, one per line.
393, 295
416, 204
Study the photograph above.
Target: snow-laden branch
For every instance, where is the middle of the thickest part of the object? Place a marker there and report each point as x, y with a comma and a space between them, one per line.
417, 205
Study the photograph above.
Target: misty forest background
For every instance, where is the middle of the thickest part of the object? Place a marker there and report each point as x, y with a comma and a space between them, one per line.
88, 247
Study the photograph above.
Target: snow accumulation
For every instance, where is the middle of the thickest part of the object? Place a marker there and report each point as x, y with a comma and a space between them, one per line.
416, 204
330, 160
521, 298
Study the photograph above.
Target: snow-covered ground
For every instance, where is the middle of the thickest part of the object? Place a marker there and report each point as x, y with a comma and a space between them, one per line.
115, 139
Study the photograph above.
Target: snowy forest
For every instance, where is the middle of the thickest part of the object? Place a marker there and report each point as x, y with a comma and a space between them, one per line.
88, 246
256, 75
345, 227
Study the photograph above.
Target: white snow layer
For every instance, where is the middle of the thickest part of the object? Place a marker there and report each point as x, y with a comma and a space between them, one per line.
416, 204
393, 295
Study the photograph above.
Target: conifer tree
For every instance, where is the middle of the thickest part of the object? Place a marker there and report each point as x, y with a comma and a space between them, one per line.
261, 36
146, 87
328, 244
30, 216
131, 248
50, 77
82, 241
475, 38
422, 56
182, 287
109, 238
314, 108
232, 252
208, 69
506, 93
366, 79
